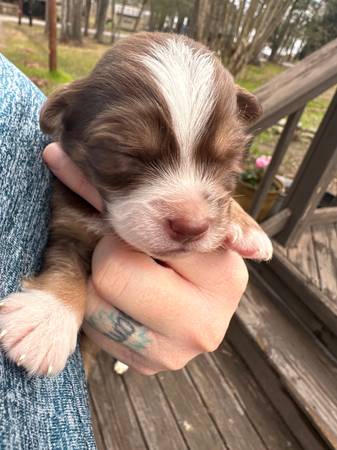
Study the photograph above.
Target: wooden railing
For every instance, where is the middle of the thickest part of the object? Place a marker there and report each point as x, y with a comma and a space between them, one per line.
287, 95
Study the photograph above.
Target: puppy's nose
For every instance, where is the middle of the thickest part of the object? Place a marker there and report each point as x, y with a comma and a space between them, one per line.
184, 229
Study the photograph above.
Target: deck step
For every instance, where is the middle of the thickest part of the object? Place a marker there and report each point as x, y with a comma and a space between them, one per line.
213, 403
296, 372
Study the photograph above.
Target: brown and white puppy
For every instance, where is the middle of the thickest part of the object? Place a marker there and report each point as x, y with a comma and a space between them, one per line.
159, 128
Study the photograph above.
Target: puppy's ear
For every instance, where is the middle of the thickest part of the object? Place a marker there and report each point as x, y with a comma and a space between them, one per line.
52, 112
58, 107
249, 108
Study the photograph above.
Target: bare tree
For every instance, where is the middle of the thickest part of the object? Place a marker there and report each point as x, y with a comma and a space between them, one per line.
140, 12
112, 21
46, 18
52, 36
119, 21
77, 21
236, 29
66, 13
71, 21
201, 14
102, 9
87, 16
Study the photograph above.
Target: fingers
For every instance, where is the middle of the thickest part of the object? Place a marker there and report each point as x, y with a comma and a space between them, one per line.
122, 353
222, 273
115, 324
169, 302
135, 283
67, 172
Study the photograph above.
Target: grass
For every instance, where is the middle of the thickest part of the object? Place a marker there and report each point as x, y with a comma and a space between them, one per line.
255, 76
27, 48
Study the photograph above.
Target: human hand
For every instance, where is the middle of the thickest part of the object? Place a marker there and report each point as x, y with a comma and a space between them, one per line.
153, 317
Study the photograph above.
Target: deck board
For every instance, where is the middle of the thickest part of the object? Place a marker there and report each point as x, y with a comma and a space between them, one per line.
214, 403
304, 257
193, 418
324, 238
267, 423
115, 423
158, 424
315, 256
308, 373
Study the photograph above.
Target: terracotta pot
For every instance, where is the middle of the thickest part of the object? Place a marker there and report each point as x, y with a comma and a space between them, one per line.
245, 192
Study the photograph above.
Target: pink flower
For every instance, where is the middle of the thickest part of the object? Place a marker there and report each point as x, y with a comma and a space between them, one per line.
262, 161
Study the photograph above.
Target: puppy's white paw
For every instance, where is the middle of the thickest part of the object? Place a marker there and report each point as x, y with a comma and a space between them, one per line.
249, 241
37, 331
120, 367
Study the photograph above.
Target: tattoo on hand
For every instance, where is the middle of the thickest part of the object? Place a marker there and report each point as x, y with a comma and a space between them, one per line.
120, 327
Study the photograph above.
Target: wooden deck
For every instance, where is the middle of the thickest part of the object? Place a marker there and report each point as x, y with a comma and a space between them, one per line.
270, 386
214, 403
315, 255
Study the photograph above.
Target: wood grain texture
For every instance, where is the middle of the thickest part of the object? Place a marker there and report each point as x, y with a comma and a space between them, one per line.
191, 415
116, 424
323, 306
292, 89
304, 258
154, 413
227, 410
213, 404
308, 373
324, 215
325, 247
266, 421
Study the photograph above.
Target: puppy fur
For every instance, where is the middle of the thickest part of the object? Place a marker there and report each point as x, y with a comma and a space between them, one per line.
159, 127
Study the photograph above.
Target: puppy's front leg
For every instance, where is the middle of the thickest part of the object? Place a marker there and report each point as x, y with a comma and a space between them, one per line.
245, 236
39, 326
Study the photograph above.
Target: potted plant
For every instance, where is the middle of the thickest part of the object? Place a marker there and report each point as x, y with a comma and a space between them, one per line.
249, 182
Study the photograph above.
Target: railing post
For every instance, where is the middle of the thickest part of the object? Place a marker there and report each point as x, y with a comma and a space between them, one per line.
313, 178
277, 158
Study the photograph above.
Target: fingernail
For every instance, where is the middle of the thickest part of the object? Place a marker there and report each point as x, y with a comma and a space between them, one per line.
50, 369
19, 361
3, 302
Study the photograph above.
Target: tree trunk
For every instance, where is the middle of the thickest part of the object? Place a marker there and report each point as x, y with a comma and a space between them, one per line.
180, 23
153, 16
77, 21
119, 21
264, 19
198, 27
112, 21
66, 13
87, 17
141, 9
101, 19
52, 36
46, 18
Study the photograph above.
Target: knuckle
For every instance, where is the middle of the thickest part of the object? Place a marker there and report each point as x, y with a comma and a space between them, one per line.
210, 339
174, 361
174, 365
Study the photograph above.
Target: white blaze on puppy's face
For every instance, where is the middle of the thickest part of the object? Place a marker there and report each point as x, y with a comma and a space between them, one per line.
181, 196
185, 77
